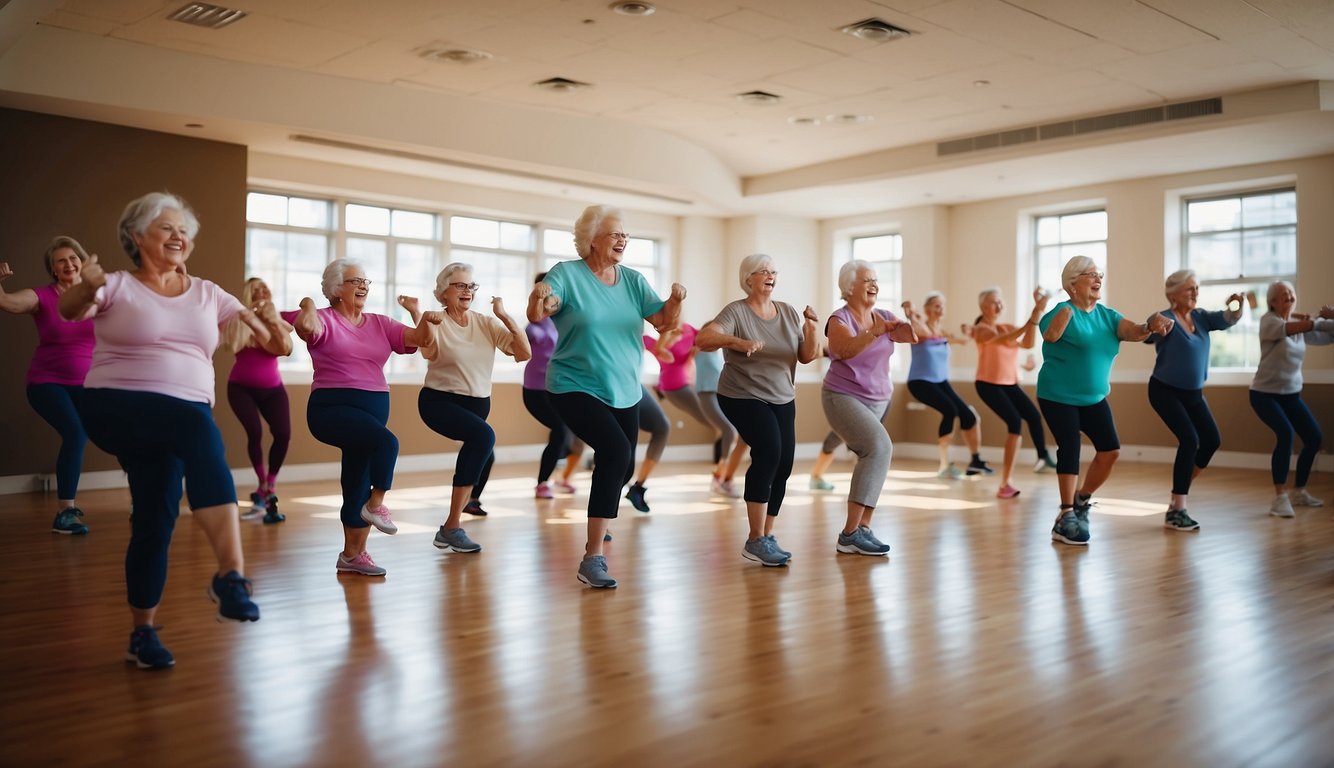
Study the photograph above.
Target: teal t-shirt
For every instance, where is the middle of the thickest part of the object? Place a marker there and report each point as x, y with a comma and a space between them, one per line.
601, 326
1077, 368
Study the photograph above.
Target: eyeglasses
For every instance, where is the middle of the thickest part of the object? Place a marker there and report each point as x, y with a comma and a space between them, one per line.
360, 282
1094, 275
766, 272
469, 287
870, 281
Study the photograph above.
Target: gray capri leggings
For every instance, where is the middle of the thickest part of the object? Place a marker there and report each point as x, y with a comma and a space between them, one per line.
653, 421
708, 402
859, 424
695, 404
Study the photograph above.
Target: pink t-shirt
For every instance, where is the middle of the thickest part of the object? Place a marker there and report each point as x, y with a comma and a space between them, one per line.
255, 368
147, 342
64, 347
347, 356
998, 363
679, 373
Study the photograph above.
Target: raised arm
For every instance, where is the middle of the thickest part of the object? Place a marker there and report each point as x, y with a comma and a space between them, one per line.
413, 307
1056, 329
1129, 330
23, 302
711, 337
422, 337
277, 336
76, 301
670, 315
915, 318
810, 338
541, 303
662, 348
519, 349
307, 323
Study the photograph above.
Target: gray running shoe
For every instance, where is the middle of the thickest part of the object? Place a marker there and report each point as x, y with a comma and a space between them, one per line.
764, 550
455, 540
858, 543
1069, 530
593, 572
872, 537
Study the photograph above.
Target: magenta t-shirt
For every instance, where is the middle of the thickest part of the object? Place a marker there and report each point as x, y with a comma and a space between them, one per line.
347, 356
64, 347
255, 368
679, 373
147, 342
865, 376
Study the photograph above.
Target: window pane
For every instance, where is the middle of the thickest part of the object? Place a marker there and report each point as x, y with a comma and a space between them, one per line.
640, 253
419, 226
516, 237
1048, 230
1269, 252
481, 233
367, 219
1268, 210
876, 248
373, 255
1215, 256
266, 209
1213, 215
560, 243
414, 273
1084, 227
304, 212
498, 275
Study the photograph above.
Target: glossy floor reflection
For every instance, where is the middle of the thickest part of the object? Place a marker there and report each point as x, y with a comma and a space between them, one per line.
976, 642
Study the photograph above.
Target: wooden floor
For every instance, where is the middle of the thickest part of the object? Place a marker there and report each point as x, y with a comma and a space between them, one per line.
977, 642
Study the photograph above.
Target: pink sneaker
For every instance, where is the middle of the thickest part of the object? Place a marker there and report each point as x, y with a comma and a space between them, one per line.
362, 564
542, 491
379, 517
729, 489
564, 487
1007, 491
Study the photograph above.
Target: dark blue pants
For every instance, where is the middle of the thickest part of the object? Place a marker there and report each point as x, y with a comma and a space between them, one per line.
354, 420
462, 418
1286, 414
1067, 421
1187, 414
58, 405
771, 433
612, 433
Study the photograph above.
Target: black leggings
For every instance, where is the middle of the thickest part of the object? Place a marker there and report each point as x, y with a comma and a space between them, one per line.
1186, 413
771, 432
612, 434
1009, 402
1067, 421
942, 397
539, 405
462, 418
1286, 414
249, 404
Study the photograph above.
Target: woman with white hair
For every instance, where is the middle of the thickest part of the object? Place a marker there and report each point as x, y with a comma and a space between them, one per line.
997, 382
349, 399
929, 382
599, 307
762, 342
1276, 391
1080, 339
856, 394
148, 401
255, 390
1176, 388
456, 398
59, 364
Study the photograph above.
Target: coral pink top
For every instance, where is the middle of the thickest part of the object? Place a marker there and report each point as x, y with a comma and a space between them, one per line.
64, 347
998, 363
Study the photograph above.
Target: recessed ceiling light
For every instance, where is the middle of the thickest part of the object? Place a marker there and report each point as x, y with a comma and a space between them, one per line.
194, 125
633, 8
981, 83
561, 85
452, 55
207, 16
849, 119
758, 98
875, 31
806, 121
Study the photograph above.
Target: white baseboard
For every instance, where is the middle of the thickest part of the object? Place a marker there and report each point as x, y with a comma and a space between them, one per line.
532, 453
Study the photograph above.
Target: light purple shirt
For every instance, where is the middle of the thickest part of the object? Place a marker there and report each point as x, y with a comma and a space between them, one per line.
347, 356
865, 376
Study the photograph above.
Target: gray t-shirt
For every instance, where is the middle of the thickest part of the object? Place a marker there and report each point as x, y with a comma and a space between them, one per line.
768, 374
1281, 355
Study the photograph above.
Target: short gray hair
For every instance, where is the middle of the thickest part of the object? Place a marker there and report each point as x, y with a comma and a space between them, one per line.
932, 295
751, 264
442, 279
587, 226
58, 242
1075, 267
848, 273
141, 212
332, 280
981, 297
1274, 288
1177, 279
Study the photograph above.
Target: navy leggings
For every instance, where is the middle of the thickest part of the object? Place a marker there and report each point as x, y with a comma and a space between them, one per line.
462, 418
251, 403
942, 397
58, 405
1187, 414
771, 432
612, 433
1009, 402
539, 405
354, 420
158, 440
1067, 421
1286, 414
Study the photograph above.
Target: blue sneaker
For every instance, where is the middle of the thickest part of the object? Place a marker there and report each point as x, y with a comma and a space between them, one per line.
67, 522
764, 550
271, 513
593, 572
636, 497
871, 535
978, 467
231, 592
777, 548
1069, 530
820, 484
146, 650
455, 540
857, 543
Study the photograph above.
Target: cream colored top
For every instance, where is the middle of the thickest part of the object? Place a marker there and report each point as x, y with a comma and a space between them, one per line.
466, 354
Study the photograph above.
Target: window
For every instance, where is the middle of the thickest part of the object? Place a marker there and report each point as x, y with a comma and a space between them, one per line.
1060, 237
884, 252
1236, 244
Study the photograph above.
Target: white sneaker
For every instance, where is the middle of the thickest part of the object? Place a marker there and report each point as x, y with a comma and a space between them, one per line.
728, 488
1302, 498
1281, 507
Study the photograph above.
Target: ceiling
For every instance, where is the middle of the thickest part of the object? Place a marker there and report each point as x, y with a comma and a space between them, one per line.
855, 129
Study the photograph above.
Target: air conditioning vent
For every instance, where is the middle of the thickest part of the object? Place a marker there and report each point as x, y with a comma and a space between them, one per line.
1083, 125
206, 16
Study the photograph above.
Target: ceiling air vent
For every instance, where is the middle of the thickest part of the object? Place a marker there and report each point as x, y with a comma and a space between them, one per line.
1081, 126
561, 85
758, 97
451, 55
206, 16
875, 31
